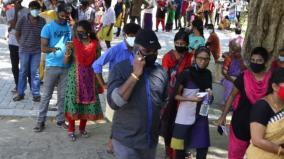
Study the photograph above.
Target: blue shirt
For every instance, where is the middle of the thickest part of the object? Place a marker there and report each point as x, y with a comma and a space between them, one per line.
113, 56
57, 36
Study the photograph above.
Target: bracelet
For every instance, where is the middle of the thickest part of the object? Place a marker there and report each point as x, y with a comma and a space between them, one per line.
279, 150
134, 76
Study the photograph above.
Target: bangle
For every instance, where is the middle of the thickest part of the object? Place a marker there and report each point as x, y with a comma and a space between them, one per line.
279, 150
134, 76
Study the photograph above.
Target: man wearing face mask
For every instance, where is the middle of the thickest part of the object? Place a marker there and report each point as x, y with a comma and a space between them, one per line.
279, 61
117, 53
54, 37
137, 92
28, 30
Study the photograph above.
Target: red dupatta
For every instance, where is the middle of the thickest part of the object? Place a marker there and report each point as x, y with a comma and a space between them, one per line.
255, 90
85, 55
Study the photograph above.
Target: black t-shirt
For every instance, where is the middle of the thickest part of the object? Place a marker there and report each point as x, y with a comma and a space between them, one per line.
240, 119
261, 112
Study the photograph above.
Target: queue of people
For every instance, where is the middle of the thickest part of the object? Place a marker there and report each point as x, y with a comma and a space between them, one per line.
149, 100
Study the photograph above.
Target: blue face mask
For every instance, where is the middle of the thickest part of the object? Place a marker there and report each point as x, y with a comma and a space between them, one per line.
35, 12
281, 58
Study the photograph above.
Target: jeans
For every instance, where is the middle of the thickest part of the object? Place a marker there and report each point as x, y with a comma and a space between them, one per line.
123, 152
53, 76
29, 62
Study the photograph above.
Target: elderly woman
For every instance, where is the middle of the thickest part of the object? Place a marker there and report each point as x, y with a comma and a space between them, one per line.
267, 121
233, 66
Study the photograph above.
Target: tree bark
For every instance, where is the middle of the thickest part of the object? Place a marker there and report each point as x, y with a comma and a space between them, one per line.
265, 26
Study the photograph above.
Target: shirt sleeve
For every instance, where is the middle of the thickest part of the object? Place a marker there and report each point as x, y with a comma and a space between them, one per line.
45, 33
19, 24
101, 61
165, 62
114, 82
261, 112
183, 78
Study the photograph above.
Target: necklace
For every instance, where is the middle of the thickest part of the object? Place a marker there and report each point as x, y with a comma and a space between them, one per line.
274, 105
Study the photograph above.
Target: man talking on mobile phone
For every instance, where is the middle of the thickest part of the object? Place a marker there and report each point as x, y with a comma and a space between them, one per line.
137, 91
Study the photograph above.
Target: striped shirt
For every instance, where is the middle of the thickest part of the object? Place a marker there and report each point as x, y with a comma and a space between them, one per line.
29, 41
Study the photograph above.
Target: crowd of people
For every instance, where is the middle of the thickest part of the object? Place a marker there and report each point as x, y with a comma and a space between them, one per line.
149, 100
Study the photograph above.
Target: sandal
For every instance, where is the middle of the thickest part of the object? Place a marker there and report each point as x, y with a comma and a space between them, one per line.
72, 136
39, 127
36, 99
84, 134
18, 98
109, 148
188, 155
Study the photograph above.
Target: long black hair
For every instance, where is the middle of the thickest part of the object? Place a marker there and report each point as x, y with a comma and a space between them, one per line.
87, 26
198, 24
277, 77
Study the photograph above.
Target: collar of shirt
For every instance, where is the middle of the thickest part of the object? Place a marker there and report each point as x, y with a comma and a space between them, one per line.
124, 47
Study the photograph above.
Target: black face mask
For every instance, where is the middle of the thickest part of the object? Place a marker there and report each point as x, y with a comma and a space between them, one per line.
181, 49
62, 21
257, 68
82, 36
150, 60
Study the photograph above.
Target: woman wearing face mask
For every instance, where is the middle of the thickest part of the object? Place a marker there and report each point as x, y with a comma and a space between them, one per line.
251, 85
191, 129
175, 61
82, 100
267, 121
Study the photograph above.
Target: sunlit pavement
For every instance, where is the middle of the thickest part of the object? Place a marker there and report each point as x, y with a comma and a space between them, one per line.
18, 141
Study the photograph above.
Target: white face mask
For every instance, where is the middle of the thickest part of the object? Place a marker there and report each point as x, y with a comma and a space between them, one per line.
35, 12
130, 41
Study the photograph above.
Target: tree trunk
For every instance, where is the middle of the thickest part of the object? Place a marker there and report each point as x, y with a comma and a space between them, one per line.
265, 26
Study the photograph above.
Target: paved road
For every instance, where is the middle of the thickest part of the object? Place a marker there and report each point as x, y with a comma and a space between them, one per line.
18, 141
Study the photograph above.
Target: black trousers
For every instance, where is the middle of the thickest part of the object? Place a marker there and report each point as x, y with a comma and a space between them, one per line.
133, 18
206, 14
14, 56
201, 153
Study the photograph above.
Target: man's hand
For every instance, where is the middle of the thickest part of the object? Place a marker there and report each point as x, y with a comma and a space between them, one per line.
138, 65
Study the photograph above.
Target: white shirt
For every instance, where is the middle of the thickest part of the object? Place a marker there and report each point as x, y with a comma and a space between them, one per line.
10, 16
88, 14
109, 17
151, 5
193, 6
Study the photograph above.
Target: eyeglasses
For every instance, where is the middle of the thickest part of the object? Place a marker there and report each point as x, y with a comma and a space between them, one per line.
205, 59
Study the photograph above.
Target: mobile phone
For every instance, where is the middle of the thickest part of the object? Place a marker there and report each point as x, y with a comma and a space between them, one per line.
220, 130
